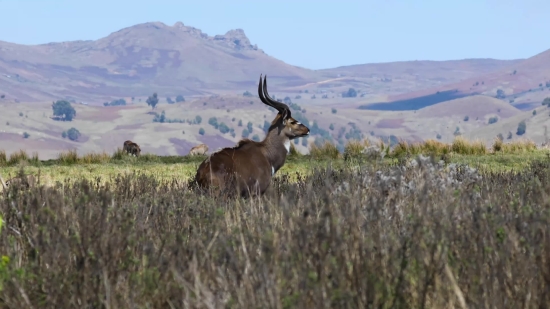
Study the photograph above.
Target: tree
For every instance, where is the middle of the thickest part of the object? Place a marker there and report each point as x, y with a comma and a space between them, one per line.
169, 100
26, 135
201, 131
287, 100
466, 118
521, 128
331, 127
213, 121
63, 109
334, 111
245, 133
534, 112
351, 93
249, 126
153, 100
64, 134
223, 128
180, 98
198, 119
247, 94
73, 134
546, 102
256, 138
500, 94
493, 120
240, 123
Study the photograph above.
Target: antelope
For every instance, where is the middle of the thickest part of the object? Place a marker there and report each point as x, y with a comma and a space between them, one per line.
248, 167
198, 150
26, 181
131, 148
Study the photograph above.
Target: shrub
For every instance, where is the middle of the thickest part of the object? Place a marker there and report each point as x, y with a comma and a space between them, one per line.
326, 151
201, 131
522, 127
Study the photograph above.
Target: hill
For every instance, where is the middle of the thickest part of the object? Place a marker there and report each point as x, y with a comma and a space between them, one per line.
524, 83
138, 60
535, 127
171, 60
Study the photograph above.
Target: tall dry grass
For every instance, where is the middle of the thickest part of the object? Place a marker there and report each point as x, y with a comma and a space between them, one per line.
327, 241
327, 151
516, 146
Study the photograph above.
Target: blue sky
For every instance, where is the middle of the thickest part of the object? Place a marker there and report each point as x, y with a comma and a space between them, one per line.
312, 34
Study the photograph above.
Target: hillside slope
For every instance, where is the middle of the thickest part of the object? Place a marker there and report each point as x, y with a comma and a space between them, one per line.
171, 60
534, 127
138, 60
521, 82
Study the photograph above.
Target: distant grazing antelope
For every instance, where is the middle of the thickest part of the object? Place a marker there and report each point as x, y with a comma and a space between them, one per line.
248, 167
26, 181
131, 148
198, 150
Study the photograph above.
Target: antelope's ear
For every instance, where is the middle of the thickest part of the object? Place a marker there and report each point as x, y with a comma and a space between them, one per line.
285, 115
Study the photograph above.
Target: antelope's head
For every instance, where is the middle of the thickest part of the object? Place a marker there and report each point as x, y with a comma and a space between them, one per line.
285, 125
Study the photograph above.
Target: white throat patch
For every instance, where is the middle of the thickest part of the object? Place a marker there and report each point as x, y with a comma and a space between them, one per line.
287, 146
272, 171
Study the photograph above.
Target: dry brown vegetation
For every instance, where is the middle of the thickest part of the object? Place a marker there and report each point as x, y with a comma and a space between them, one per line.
354, 148
329, 240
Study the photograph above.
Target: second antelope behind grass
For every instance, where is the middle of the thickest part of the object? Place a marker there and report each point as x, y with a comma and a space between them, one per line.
247, 168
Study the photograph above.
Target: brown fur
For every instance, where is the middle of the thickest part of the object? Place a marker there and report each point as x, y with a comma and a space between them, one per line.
248, 167
198, 150
26, 182
131, 148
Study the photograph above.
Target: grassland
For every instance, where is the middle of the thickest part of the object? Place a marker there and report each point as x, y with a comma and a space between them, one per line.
335, 237
104, 167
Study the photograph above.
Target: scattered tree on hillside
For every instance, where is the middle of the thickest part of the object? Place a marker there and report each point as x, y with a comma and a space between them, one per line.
466, 118
287, 100
73, 134
2, 96
153, 100
201, 131
245, 133
249, 126
534, 112
180, 98
119, 102
169, 100
26, 135
240, 123
247, 94
198, 119
493, 120
521, 128
331, 127
500, 136
546, 102
62, 110
509, 135
500, 94
334, 110
351, 93
256, 138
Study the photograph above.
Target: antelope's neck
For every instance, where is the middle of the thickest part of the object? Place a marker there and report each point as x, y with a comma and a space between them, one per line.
276, 148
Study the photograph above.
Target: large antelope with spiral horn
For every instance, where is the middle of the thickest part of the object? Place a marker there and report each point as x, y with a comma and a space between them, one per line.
248, 167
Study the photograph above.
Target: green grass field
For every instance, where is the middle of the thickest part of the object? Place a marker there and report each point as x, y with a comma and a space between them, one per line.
103, 167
